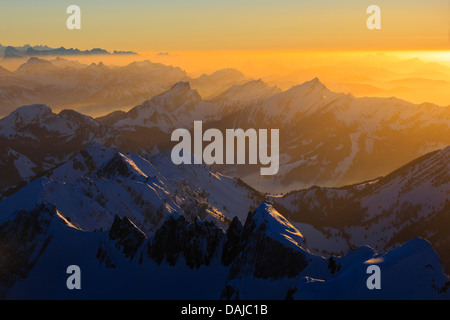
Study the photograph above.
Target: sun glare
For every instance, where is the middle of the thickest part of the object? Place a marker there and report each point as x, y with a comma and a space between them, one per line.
438, 56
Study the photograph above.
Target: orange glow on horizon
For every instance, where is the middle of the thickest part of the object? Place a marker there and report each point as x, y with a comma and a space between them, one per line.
416, 76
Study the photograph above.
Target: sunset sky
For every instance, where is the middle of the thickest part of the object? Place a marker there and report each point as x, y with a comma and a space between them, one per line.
284, 42
146, 25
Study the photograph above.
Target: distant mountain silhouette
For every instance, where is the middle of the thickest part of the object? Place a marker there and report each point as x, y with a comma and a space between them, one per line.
9, 52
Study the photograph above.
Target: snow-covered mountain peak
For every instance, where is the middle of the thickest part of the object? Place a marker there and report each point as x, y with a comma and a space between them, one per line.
249, 91
276, 226
32, 111
123, 165
26, 121
180, 95
25, 115
88, 161
170, 109
308, 87
78, 118
304, 99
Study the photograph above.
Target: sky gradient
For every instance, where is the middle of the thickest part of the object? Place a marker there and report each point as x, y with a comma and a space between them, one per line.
228, 25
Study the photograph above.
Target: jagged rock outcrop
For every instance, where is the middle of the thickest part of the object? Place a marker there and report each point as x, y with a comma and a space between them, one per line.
198, 242
232, 243
270, 248
128, 237
116, 166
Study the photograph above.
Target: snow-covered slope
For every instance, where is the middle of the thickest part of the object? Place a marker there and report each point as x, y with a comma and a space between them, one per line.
175, 108
20, 123
334, 139
34, 139
276, 226
411, 272
211, 85
251, 91
99, 183
180, 106
270, 267
326, 138
185, 260
412, 201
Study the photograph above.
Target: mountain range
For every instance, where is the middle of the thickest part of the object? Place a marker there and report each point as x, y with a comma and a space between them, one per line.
264, 258
10, 52
82, 202
412, 201
354, 137
98, 89
104, 194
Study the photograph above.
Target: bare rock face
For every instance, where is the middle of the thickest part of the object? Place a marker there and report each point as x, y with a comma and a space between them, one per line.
232, 243
198, 242
127, 235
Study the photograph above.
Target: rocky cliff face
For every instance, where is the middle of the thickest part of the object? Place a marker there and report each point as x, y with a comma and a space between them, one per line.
127, 236
232, 243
